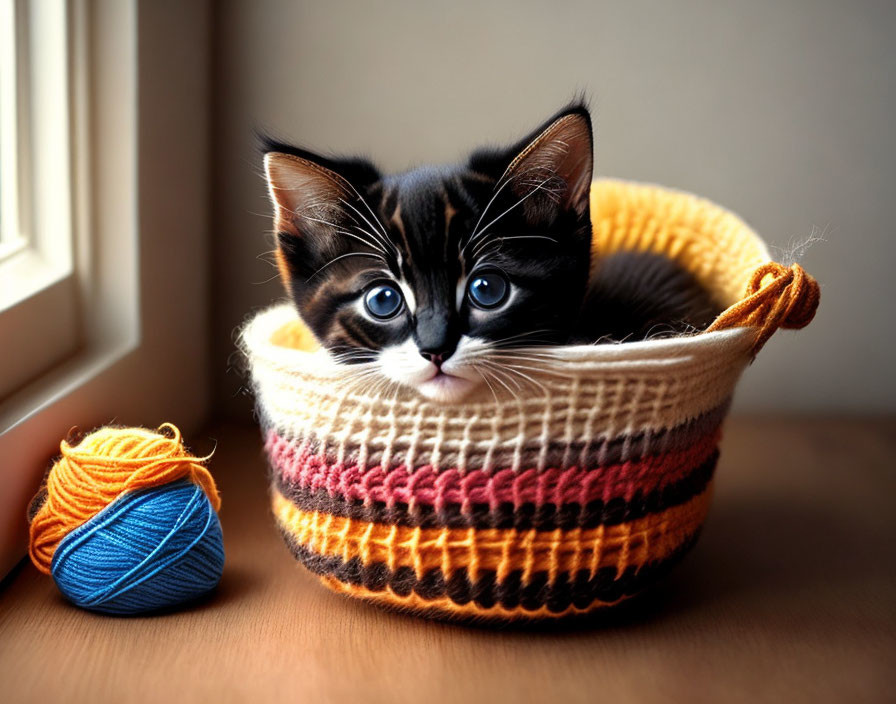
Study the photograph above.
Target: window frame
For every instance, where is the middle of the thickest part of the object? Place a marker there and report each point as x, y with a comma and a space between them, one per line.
37, 283
11, 118
140, 174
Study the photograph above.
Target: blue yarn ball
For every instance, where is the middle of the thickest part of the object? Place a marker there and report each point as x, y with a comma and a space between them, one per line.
147, 550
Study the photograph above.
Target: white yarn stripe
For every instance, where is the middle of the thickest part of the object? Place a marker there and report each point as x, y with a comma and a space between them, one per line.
603, 391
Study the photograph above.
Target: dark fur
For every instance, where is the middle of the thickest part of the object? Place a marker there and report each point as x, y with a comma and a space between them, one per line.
428, 215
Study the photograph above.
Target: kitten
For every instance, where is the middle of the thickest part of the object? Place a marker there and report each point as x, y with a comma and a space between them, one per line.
440, 276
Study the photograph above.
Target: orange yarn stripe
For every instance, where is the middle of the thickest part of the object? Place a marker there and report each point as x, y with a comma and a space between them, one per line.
637, 542
415, 602
105, 464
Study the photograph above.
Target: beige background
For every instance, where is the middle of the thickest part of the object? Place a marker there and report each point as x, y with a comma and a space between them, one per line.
781, 111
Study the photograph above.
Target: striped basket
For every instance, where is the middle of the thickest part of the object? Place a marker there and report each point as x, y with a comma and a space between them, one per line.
566, 501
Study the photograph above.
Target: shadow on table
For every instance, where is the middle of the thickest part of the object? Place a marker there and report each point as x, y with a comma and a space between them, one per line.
754, 549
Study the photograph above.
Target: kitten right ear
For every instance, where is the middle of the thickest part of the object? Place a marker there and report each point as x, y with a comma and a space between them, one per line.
548, 171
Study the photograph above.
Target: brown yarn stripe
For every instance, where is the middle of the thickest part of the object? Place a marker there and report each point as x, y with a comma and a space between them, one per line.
513, 592
637, 542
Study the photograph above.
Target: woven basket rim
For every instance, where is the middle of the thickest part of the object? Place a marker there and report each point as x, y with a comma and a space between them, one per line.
663, 355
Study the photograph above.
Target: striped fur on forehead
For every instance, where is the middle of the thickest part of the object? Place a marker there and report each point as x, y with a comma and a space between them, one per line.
426, 217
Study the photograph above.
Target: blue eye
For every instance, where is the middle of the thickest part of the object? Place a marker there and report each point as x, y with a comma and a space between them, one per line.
383, 301
488, 290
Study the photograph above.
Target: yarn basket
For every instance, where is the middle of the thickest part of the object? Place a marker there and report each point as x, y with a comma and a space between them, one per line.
569, 499
127, 522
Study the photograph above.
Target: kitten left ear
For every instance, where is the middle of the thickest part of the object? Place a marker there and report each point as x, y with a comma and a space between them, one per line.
302, 181
551, 168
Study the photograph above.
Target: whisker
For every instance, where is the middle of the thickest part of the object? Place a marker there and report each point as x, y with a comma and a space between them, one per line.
484, 378
534, 358
375, 218
266, 281
498, 374
504, 182
375, 243
536, 187
501, 372
484, 211
521, 358
519, 335
528, 195
515, 369
343, 256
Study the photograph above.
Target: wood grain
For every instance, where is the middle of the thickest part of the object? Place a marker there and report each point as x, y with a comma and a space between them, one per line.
790, 595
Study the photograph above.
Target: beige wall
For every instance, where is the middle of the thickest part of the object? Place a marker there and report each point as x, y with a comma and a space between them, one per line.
781, 111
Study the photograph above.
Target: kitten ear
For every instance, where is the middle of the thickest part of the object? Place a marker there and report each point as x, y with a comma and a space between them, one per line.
306, 188
299, 189
551, 168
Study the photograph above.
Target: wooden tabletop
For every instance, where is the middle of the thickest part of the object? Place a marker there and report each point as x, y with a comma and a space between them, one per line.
790, 595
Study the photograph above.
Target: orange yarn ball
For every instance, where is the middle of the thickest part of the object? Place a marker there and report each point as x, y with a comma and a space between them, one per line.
104, 465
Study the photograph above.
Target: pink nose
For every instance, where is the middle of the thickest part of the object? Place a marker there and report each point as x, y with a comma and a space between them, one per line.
436, 359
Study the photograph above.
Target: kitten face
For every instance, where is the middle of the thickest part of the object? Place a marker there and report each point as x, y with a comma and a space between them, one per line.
432, 278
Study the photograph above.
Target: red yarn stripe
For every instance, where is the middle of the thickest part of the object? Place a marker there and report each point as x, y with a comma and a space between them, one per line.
312, 472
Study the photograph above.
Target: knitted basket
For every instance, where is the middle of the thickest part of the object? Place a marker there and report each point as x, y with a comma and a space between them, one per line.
565, 501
